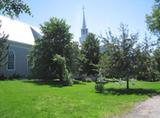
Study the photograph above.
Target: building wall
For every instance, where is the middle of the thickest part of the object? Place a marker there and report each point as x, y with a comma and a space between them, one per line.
21, 62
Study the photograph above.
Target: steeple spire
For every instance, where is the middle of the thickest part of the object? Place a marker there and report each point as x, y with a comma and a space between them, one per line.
84, 21
84, 30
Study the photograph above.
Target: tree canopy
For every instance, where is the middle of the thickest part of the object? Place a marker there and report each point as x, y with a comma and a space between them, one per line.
153, 20
14, 8
50, 56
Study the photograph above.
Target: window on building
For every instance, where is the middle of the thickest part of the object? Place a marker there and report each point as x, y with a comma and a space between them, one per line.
11, 59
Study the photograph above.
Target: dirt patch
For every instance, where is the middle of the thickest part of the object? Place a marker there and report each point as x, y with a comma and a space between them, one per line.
147, 109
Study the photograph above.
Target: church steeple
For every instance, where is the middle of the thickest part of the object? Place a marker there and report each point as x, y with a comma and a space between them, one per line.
84, 21
84, 30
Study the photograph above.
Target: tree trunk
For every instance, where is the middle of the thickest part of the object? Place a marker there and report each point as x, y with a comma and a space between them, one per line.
127, 82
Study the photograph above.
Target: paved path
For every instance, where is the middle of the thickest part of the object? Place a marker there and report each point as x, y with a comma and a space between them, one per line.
147, 109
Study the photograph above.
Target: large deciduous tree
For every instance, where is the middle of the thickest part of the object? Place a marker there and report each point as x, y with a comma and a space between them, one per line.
120, 54
56, 40
124, 58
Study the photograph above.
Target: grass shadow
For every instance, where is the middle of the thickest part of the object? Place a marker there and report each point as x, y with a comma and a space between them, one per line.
53, 83
42, 82
136, 91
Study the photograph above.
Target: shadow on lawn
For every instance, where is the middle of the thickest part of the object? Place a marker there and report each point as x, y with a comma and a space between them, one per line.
138, 91
55, 83
50, 83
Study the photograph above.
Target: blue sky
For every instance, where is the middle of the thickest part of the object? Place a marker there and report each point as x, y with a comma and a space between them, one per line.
100, 14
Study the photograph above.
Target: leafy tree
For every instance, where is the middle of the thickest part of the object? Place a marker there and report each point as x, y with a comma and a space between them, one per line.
144, 61
90, 54
125, 58
156, 64
153, 20
120, 52
127, 54
110, 53
56, 40
13, 8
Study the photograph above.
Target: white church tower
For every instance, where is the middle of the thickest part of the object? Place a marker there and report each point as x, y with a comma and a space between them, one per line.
84, 30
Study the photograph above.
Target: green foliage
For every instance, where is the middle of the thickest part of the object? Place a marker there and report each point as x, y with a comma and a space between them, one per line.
105, 65
77, 82
119, 54
60, 67
146, 66
90, 54
153, 20
68, 78
62, 70
100, 82
59, 60
99, 87
39, 60
15, 76
88, 78
3, 47
73, 60
53, 56
156, 64
157, 58
14, 8
124, 58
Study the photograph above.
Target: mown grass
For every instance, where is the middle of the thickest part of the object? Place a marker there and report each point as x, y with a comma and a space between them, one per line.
23, 99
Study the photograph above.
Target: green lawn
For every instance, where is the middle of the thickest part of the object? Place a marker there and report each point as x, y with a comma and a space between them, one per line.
20, 99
